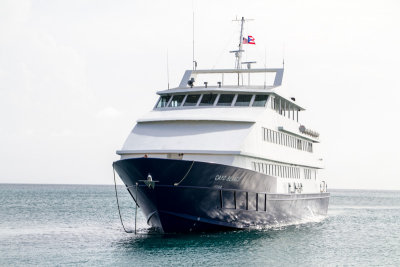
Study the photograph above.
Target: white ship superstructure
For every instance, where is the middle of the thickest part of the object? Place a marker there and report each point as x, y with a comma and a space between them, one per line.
247, 126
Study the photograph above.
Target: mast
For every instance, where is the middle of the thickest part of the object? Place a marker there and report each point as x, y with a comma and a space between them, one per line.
239, 53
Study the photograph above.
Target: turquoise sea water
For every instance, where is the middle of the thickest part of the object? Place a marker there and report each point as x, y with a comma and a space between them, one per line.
79, 225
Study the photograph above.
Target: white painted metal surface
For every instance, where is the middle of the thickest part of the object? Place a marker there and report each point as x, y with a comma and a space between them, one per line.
269, 138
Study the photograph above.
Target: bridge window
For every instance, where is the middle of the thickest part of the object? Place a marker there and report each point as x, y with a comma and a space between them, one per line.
191, 100
208, 99
243, 100
162, 103
225, 99
176, 100
260, 100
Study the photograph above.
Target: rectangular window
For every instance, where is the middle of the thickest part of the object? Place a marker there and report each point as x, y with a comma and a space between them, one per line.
252, 201
243, 100
176, 100
191, 100
241, 200
208, 99
299, 144
276, 104
225, 99
293, 112
260, 100
162, 103
228, 199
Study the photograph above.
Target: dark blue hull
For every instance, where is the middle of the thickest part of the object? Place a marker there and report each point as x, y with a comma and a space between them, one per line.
198, 196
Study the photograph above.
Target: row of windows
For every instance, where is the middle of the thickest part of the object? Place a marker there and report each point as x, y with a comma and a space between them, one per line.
277, 170
210, 99
285, 108
283, 171
310, 173
286, 140
230, 199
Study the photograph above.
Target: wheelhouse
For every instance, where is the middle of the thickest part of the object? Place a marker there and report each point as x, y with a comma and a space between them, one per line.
243, 91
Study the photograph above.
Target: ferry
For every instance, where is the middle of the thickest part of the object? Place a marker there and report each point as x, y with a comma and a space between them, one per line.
224, 150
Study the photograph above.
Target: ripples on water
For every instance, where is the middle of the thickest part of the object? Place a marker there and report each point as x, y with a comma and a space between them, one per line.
74, 225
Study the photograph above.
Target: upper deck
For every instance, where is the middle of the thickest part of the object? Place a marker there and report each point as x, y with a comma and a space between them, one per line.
233, 77
228, 87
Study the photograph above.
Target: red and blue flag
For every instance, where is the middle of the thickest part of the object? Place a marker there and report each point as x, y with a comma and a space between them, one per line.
249, 40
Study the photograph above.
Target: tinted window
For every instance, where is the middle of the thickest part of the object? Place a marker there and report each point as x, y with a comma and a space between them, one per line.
243, 100
208, 100
225, 100
191, 100
260, 100
163, 101
176, 100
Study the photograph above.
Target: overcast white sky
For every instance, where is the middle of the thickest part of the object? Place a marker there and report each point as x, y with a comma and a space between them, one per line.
75, 76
